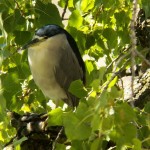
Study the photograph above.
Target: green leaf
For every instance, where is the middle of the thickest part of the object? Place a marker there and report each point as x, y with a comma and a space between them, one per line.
100, 42
55, 117
124, 36
19, 19
2, 42
124, 113
11, 21
9, 3
114, 93
102, 71
90, 41
11, 87
144, 133
47, 14
86, 5
124, 135
122, 15
103, 99
77, 89
107, 123
111, 37
95, 84
21, 37
130, 132
3, 6
62, 3
113, 82
96, 122
74, 128
8, 22
90, 67
146, 7
147, 108
2, 106
77, 145
83, 112
137, 144
96, 144
60, 146
75, 19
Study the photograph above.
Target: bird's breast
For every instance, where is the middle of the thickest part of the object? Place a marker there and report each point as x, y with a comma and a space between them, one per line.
43, 59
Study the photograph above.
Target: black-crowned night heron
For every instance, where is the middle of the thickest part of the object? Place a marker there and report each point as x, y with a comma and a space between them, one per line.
55, 62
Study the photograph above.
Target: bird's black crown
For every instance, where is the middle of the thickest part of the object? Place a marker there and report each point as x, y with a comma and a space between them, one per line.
49, 31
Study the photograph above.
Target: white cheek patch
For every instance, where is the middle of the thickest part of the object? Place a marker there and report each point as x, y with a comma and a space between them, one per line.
38, 37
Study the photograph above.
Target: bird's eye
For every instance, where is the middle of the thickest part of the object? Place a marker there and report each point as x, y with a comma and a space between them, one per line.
46, 37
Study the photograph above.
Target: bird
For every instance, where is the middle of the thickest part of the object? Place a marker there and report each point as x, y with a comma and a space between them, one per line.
55, 62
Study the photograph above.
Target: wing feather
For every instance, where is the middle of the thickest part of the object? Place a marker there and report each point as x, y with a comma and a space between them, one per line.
68, 70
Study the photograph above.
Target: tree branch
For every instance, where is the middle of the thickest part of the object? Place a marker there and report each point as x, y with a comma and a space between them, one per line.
64, 12
133, 45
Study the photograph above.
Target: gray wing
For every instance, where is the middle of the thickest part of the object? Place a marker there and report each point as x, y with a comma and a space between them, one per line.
68, 70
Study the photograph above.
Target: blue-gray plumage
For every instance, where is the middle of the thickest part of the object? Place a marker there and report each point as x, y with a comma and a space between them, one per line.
55, 62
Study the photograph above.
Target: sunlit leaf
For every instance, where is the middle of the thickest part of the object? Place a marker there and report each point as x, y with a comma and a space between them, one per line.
86, 5
137, 144
96, 144
74, 128
77, 89
75, 19
124, 113
55, 117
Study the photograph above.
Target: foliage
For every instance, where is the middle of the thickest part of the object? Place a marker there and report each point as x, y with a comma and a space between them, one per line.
102, 31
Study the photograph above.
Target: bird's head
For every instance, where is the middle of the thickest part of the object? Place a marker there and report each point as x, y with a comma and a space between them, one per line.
55, 62
44, 33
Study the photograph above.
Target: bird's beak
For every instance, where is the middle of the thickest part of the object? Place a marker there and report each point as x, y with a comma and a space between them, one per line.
30, 43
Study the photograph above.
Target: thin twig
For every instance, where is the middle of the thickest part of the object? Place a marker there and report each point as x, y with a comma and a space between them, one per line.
58, 135
142, 57
63, 14
100, 9
115, 68
115, 73
147, 139
18, 6
116, 59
